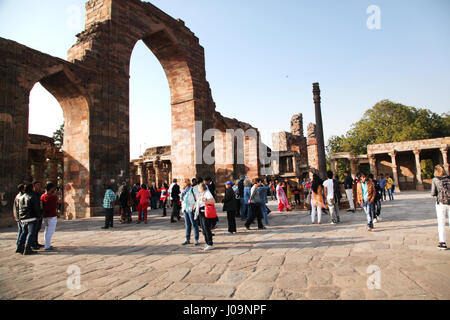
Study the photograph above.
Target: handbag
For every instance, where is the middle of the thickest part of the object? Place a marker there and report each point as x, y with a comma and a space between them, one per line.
210, 211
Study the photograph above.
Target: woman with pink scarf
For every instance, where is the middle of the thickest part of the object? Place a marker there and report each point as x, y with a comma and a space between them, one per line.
282, 199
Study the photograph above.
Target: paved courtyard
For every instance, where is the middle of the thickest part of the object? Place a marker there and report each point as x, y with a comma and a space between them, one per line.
292, 259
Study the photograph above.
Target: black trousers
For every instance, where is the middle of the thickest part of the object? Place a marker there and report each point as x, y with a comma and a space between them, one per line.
175, 210
35, 236
297, 198
109, 217
231, 218
206, 227
255, 213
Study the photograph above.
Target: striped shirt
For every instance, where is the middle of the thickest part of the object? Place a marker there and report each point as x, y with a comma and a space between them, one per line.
109, 197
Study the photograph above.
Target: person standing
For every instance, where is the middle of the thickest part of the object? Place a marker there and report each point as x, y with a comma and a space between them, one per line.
163, 198
49, 201
317, 202
211, 186
154, 196
108, 205
283, 202
366, 198
240, 194
255, 205
337, 196
263, 189
175, 194
390, 188
377, 200
297, 195
230, 207
205, 198
143, 196
328, 186
134, 191
189, 198
440, 188
37, 191
247, 193
382, 183
125, 203
16, 210
348, 186
29, 212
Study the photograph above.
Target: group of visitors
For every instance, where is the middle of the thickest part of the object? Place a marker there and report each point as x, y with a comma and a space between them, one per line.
33, 207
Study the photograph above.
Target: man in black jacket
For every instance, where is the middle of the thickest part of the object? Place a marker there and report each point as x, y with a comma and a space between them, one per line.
38, 192
348, 186
175, 200
230, 207
16, 210
29, 213
241, 196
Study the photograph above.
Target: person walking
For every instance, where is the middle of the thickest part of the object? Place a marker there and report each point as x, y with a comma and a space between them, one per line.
189, 198
143, 196
125, 203
205, 198
163, 198
440, 188
390, 188
328, 186
255, 205
230, 207
297, 195
175, 194
283, 202
273, 193
49, 201
317, 201
377, 201
108, 205
366, 198
16, 210
348, 186
382, 183
29, 213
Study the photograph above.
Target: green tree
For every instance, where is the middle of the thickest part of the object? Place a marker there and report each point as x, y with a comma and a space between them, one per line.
58, 137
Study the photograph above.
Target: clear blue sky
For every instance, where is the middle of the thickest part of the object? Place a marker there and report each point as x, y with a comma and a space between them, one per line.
263, 56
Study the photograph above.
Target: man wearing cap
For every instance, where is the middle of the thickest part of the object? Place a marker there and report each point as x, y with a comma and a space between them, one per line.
241, 196
230, 206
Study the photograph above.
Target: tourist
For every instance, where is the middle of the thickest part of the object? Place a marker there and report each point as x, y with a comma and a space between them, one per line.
241, 188
247, 193
297, 195
29, 213
377, 201
143, 196
337, 195
16, 210
211, 186
317, 202
273, 192
205, 198
283, 202
382, 182
440, 188
348, 186
189, 198
366, 198
288, 190
37, 190
134, 191
59, 203
255, 205
125, 203
169, 192
329, 191
263, 190
237, 199
175, 194
153, 196
108, 205
49, 201
163, 198
390, 188
230, 207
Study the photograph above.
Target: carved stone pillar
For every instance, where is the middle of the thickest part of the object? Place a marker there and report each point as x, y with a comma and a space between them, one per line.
334, 166
143, 173
419, 185
444, 152
394, 170
373, 165
158, 178
39, 170
53, 172
354, 167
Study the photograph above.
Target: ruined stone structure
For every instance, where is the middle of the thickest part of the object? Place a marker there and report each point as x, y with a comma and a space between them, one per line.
401, 160
92, 87
155, 165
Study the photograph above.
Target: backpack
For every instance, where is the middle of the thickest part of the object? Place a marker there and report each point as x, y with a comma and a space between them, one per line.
443, 196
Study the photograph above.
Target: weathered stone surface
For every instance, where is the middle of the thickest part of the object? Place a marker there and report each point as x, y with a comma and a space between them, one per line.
254, 291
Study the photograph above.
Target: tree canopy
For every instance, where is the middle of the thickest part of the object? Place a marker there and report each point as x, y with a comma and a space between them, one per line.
388, 121
58, 137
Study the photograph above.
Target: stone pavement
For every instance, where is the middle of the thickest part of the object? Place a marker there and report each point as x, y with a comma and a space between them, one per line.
292, 259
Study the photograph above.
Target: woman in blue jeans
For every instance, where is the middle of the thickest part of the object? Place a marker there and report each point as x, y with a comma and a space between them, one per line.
247, 191
188, 200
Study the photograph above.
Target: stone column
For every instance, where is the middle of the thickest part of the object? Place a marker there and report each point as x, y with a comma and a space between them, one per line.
394, 170
319, 132
53, 173
143, 173
373, 165
354, 167
444, 152
334, 166
419, 185
39, 170
157, 167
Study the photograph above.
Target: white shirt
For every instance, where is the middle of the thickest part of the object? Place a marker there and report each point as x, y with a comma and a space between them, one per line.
200, 204
170, 191
330, 188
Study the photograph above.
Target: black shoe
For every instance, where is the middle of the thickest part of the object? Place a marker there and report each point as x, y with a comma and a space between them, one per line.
185, 243
104, 228
172, 221
28, 252
442, 246
35, 248
247, 227
20, 251
262, 228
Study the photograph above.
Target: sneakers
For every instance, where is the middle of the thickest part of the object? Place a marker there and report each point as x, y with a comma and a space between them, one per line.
208, 247
442, 246
332, 222
228, 232
379, 219
51, 248
375, 220
369, 229
185, 243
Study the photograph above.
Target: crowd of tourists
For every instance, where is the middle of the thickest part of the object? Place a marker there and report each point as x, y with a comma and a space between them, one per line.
246, 199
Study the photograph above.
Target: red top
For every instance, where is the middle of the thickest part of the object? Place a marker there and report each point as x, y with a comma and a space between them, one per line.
143, 195
49, 205
163, 193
